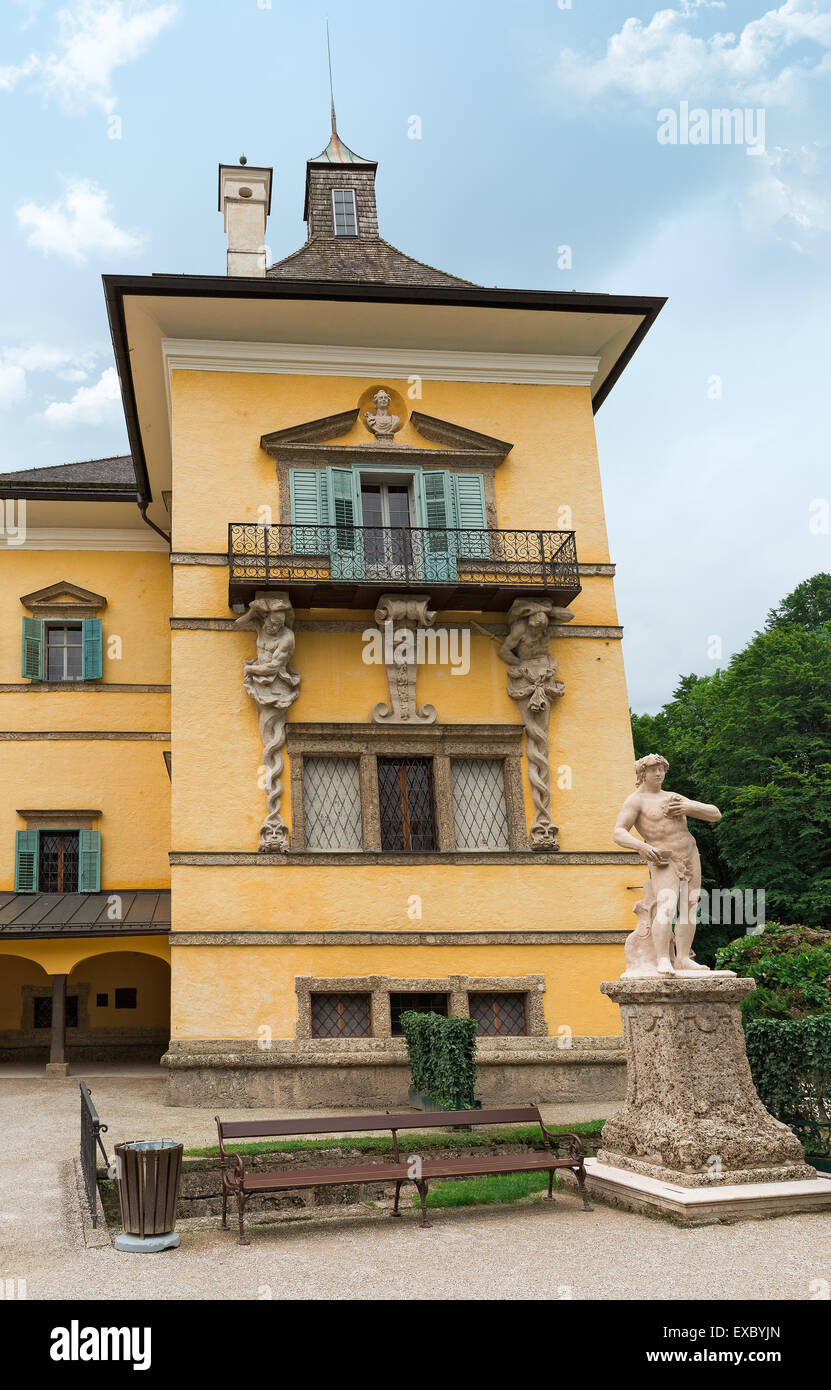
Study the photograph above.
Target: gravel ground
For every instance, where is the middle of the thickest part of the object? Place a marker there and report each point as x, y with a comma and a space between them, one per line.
532, 1250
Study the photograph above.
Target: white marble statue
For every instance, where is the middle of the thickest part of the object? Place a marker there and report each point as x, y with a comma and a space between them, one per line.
273, 686
674, 887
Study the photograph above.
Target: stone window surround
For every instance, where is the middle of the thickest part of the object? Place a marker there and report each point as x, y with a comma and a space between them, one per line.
45, 603
60, 820
456, 987
440, 742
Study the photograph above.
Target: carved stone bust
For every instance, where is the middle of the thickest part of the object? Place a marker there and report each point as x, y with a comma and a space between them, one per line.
381, 423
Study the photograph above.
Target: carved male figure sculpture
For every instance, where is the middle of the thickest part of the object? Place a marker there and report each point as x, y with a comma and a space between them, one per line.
273, 686
381, 423
674, 871
534, 684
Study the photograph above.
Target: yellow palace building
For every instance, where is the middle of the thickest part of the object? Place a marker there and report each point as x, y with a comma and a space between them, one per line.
313, 705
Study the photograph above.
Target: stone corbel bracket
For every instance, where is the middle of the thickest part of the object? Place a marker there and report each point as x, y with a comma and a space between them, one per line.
399, 618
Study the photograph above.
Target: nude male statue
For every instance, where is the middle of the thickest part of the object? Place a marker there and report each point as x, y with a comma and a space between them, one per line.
669, 849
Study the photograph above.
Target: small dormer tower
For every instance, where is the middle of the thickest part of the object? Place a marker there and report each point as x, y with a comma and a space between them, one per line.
340, 193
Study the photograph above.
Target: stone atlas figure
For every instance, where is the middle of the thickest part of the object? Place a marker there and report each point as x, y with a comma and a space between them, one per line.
273, 686
674, 872
534, 684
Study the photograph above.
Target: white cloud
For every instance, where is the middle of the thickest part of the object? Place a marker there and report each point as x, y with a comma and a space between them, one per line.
784, 199
12, 385
78, 225
663, 59
91, 405
94, 38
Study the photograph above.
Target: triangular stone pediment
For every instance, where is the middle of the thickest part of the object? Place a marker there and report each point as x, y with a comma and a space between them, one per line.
455, 439
64, 594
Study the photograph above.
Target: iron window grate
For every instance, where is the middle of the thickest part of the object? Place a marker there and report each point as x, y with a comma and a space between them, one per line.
405, 796
341, 1016
498, 1015
332, 803
479, 812
58, 872
419, 1003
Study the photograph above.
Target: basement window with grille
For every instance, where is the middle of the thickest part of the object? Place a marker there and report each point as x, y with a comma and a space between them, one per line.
418, 1003
498, 1015
479, 813
341, 1016
332, 803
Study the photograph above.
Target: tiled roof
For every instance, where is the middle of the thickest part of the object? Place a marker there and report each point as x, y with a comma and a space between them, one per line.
367, 259
82, 914
104, 473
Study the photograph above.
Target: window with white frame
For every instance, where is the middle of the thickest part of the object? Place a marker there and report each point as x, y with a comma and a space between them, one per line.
479, 812
332, 803
345, 212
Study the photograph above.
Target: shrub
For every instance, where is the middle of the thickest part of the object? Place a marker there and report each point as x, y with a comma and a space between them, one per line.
442, 1057
792, 969
791, 1065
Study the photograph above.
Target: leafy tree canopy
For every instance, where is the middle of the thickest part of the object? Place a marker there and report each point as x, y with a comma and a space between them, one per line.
755, 739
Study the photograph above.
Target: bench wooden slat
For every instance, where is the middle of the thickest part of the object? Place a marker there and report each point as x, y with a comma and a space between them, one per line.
312, 1177
351, 1124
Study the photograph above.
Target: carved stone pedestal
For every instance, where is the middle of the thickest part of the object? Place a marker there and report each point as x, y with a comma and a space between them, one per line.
692, 1115
693, 1142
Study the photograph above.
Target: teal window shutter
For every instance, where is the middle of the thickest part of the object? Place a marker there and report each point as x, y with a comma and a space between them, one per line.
437, 507
471, 512
346, 542
26, 861
307, 494
89, 861
92, 640
31, 662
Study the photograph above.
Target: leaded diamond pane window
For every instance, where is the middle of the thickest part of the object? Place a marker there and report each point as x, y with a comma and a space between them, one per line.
405, 795
498, 1015
479, 803
341, 1016
332, 803
58, 861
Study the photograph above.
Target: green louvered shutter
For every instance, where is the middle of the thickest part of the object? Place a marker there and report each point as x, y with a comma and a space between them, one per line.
89, 861
471, 513
92, 640
31, 661
437, 504
307, 492
26, 861
346, 542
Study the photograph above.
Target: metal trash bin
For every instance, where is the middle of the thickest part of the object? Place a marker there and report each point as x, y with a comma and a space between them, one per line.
147, 1176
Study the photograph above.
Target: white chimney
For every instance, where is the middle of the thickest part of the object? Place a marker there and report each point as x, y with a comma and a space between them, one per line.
245, 202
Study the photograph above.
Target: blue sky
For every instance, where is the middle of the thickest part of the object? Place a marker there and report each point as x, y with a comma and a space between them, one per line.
539, 129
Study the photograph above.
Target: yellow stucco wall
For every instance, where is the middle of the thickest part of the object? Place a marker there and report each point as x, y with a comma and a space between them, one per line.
218, 419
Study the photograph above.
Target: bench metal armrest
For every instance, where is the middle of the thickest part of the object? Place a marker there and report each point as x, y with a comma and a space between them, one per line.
577, 1149
237, 1176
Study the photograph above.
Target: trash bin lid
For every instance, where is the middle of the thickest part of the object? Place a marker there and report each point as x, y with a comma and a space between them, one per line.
143, 1144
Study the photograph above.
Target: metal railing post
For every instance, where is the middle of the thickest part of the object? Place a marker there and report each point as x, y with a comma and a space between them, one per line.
542, 559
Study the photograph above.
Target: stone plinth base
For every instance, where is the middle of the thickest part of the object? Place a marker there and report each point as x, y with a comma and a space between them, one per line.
57, 1069
692, 1118
702, 1206
374, 1073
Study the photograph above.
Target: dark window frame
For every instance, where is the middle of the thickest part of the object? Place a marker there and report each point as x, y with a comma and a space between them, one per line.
322, 1003
126, 997
420, 1001
414, 798
63, 649
498, 999
50, 881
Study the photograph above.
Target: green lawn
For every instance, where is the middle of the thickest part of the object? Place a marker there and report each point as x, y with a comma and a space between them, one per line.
501, 1187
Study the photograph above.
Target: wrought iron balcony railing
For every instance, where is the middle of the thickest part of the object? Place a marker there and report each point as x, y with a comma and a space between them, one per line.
350, 566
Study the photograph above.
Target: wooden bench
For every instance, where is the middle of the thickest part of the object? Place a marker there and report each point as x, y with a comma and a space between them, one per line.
241, 1183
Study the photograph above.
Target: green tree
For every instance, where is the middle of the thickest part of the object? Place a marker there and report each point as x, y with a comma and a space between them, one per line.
755, 739
792, 969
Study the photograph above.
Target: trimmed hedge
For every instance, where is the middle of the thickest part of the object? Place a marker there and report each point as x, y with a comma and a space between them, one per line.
441, 1053
791, 1065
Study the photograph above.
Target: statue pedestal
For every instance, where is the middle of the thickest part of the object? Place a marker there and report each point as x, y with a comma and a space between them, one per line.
692, 1140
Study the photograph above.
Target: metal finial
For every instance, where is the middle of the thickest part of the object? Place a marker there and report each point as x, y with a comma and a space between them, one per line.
242, 159
331, 84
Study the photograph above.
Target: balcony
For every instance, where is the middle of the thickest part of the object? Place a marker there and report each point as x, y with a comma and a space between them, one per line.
351, 566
